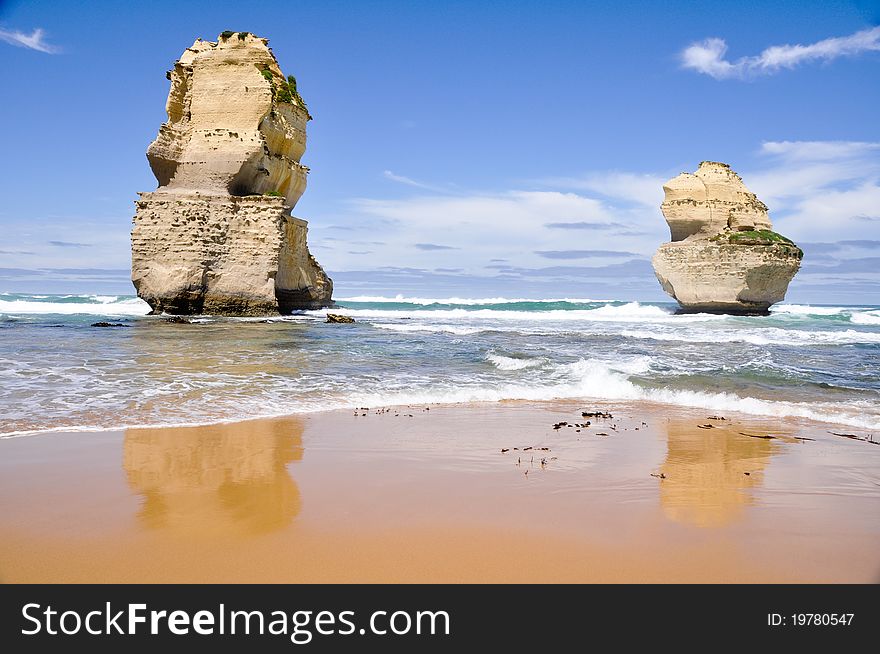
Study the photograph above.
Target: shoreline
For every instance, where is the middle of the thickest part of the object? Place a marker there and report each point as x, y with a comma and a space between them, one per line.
803, 361
650, 404
426, 494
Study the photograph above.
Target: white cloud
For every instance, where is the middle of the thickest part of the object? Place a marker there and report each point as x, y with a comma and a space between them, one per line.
833, 214
638, 188
486, 226
820, 190
816, 191
103, 243
798, 169
819, 150
33, 41
708, 56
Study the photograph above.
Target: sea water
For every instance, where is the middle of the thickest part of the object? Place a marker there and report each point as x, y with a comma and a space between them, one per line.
58, 372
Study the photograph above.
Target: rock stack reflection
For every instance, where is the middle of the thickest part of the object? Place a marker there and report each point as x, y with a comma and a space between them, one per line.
229, 479
710, 473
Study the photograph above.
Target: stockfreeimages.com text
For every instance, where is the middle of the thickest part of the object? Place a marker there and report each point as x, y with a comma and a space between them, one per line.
300, 626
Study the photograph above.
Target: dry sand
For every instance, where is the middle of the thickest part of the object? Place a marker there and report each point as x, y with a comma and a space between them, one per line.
420, 494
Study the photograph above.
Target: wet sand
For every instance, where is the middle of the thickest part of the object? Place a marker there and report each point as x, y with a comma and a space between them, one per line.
418, 494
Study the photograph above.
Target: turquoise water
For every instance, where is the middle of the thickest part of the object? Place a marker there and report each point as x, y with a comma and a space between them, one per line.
59, 372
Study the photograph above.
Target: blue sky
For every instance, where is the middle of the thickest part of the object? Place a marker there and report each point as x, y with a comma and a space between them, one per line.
464, 148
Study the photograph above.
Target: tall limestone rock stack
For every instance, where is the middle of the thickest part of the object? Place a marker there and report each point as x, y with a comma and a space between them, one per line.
217, 236
724, 256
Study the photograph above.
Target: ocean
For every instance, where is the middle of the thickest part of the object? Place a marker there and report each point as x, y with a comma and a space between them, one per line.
58, 372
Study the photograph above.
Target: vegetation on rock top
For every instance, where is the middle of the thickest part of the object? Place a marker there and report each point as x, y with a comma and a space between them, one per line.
756, 237
230, 33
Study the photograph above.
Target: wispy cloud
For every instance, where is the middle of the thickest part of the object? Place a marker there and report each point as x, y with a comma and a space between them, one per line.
584, 225
708, 56
401, 179
487, 226
583, 254
819, 150
820, 189
432, 247
69, 244
34, 41
637, 188
799, 169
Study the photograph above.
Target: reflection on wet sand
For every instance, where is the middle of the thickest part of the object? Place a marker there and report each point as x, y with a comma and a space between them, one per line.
710, 473
229, 479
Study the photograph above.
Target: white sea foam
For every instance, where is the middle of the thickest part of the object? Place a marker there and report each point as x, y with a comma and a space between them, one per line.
229, 391
448, 329
584, 379
763, 336
400, 299
631, 312
100, 307
806, 310
866, 318
591, 379
512, 363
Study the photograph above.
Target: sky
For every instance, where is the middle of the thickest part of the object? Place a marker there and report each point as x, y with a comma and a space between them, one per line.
470, 149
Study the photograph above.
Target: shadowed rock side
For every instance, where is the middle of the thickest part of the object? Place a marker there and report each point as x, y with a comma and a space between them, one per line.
724, 256
217, 235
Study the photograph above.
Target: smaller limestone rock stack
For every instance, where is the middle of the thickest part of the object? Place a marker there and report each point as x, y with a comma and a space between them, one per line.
724, 256
217, 236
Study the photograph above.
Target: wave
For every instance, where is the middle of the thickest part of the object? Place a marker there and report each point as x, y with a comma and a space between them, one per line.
448, 329
866, 318
855, 315
583, 380
400, 299
512, 363
763, 336
807, 310
99, 305
591, 379
631, 312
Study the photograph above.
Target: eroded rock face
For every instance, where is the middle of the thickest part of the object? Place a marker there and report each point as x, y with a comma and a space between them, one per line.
217, 235
724, 256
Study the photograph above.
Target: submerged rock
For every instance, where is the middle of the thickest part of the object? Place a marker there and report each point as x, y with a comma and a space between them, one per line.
217, 236
723, 256
336, 317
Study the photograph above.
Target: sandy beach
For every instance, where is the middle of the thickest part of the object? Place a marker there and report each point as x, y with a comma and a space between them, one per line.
447, 493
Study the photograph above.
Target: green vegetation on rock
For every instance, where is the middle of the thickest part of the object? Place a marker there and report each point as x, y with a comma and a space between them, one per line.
229, 33
756, 237
288, 93
274, 194
285, 91
291, 87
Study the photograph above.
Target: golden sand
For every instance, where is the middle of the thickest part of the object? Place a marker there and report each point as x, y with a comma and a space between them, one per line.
427, 495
